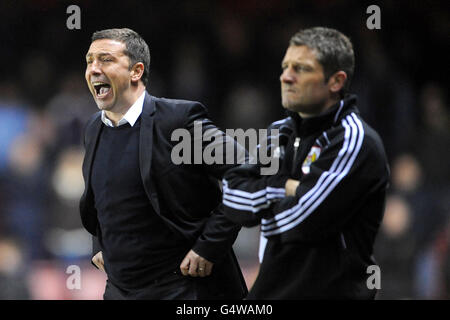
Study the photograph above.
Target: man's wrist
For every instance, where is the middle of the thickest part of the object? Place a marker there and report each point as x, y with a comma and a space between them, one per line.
291, 187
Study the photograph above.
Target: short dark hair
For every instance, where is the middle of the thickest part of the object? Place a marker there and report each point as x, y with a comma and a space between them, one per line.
135, 47
334, 50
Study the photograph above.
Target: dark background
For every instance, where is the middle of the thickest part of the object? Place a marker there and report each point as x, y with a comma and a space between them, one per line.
226, 54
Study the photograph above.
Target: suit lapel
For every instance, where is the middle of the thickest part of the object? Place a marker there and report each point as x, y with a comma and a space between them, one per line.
146, 146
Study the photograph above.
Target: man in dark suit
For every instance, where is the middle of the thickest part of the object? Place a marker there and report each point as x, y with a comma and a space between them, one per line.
158, 231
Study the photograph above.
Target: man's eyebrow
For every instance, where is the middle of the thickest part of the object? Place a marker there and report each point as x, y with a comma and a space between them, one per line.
100, 54
298, 63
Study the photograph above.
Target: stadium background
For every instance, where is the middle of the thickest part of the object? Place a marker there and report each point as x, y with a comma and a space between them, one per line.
226, 54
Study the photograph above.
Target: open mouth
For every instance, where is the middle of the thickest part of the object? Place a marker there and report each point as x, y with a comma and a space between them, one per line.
101, 89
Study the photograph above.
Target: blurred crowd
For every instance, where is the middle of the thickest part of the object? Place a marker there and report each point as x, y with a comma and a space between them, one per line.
226, 54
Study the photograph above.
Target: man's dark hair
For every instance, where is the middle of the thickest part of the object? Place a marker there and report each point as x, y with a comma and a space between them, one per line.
135, 47
334, 50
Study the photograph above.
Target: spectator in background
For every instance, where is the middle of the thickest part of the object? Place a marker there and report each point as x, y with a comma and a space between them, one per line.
408, 181
69, 110
189, 77
247, 107
445, 254
427, 218
431, 140
394, 249
27, 188
13, 276
66, 238
14, 114
384, 89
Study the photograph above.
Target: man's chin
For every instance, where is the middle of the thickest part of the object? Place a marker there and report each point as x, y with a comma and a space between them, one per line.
103, 105
290, 106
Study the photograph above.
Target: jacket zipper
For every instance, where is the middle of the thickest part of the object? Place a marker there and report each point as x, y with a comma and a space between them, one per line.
294, 163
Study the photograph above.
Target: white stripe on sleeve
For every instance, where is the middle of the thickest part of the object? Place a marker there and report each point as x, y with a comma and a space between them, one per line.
288, 219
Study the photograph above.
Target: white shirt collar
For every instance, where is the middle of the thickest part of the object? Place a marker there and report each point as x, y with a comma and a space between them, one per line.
131, 116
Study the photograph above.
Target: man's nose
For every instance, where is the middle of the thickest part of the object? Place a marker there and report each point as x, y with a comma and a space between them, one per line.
287, 76
94, 68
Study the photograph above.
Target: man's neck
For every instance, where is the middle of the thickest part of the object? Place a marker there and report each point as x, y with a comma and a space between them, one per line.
326, 106
115, 116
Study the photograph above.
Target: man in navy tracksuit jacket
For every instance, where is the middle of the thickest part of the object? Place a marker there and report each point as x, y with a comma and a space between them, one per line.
321, 211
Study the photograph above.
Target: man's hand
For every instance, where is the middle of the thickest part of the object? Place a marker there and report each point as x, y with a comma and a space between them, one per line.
291, 186
98, 261
194, 265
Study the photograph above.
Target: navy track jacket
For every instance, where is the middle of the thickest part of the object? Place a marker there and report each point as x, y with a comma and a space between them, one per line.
320, 241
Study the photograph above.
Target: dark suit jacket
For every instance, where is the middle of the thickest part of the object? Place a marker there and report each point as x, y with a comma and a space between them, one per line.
185, 196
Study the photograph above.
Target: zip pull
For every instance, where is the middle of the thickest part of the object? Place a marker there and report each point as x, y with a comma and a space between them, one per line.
294, 162
296, 144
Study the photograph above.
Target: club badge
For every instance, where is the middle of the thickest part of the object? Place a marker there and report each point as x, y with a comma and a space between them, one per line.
313, 155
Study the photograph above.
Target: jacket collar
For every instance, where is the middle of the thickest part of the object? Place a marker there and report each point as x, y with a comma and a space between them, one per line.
332, 116
149, 105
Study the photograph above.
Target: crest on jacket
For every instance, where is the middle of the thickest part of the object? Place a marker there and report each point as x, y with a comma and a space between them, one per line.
312, 156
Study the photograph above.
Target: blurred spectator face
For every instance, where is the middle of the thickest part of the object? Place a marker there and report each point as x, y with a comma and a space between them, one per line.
397, 217
67, 177
26, 155
406, 173
303, 86
10, 256
108, 75
433, 104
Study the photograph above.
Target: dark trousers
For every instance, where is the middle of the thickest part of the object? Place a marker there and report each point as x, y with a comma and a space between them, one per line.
173, 286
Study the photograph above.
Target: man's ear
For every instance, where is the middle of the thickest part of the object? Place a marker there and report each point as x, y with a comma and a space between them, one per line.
337, 81
137, 71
